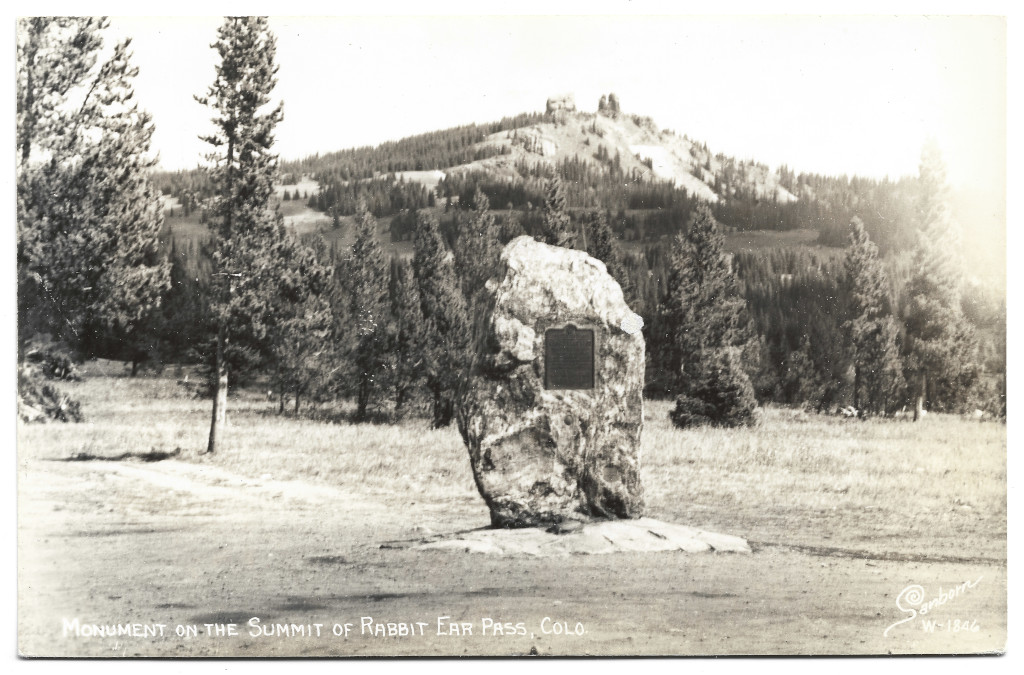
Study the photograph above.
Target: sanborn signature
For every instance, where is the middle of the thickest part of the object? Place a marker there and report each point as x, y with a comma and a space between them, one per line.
911, 600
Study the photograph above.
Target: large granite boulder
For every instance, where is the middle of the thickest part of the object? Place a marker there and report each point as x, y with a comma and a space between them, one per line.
553, 411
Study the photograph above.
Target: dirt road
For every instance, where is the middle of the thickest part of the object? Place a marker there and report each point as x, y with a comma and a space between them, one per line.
185, 559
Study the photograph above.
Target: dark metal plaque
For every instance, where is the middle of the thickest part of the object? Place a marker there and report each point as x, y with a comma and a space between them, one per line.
569, 358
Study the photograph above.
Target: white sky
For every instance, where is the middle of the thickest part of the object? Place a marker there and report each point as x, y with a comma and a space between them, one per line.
825, 94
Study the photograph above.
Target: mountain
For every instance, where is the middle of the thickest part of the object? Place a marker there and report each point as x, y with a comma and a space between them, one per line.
786, 232
608, 143
643, 150
648, 179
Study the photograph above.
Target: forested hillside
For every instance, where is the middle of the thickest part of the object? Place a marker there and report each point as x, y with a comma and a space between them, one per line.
786, 233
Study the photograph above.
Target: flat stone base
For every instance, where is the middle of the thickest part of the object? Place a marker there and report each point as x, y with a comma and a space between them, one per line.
643, 535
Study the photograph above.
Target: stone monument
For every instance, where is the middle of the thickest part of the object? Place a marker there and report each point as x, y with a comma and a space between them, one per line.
553, 411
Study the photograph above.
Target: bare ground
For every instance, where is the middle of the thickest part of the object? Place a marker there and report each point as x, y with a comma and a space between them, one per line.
191, 544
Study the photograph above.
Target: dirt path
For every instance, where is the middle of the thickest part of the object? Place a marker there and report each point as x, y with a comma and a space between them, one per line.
173, 545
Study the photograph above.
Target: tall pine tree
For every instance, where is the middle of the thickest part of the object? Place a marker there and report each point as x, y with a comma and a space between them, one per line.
556, 227
941, 356
878, 376
299, 340
477, 248
88, 217
705, 315
444, 344
603, 247
246, 231
55, 57
407, 328
476, 257
369, 280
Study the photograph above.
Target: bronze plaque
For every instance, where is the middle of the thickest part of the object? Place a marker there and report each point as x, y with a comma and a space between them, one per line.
569, 358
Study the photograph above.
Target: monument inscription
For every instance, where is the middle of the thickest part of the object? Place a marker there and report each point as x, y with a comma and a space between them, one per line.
569, 358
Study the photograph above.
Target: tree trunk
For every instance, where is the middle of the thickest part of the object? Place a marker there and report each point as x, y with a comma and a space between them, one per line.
856, 390
363, 399
435, 423
220, 393
922, 386
296, 401
400, 394
443, 410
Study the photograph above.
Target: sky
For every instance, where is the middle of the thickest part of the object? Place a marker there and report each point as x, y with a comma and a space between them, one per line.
826, 94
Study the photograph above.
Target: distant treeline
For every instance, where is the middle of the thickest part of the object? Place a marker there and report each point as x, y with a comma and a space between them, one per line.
796, 298
423, 152
384, 196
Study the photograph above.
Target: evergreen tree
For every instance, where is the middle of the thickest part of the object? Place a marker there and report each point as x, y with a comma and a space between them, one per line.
477, 248
246, 233
718, 392
408, 325
88, 216
940, 343
444, 345
55, 57
705, 315
556, 228
369, 309
185, 309
301, 350
603, 247
878, 376
476, 258
800, 377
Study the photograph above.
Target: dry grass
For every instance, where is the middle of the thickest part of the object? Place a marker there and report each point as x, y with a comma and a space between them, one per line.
934, 488
939, 485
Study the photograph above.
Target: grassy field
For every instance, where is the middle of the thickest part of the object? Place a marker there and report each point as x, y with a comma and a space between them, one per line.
288, 519
928, 488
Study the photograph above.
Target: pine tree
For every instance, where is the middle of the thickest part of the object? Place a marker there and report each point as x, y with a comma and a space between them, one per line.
941, 350
408, 325
55, 57
369, 308
88, 217
601, 241
246, 233
800, 377
184, 311
444, 345
476, 258
705, 315
603, 247
556, 228
477, 248
301, 351
718, 392
878, 376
